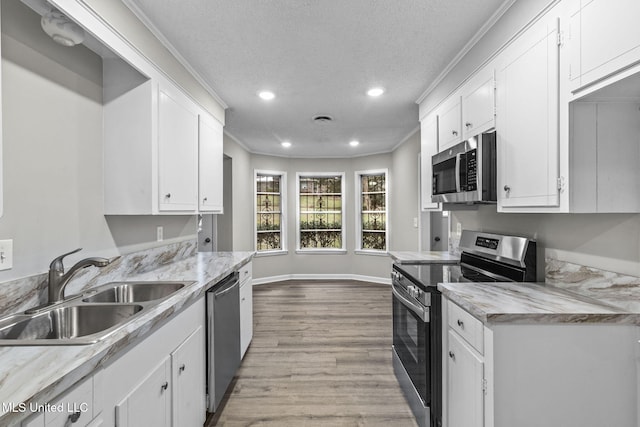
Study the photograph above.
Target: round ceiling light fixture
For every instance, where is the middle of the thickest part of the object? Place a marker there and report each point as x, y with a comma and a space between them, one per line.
354, 143
376, 91
266, 95
62, 29
285, 144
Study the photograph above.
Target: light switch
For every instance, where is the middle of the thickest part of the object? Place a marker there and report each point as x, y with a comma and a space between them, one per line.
159, 233
6, 254
415, 222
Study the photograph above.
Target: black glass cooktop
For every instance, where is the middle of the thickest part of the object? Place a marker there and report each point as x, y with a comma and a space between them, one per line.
426, 275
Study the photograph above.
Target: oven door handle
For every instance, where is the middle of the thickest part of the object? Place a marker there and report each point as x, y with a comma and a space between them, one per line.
421, 312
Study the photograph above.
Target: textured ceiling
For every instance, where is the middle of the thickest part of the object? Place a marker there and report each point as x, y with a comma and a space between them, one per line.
318, 57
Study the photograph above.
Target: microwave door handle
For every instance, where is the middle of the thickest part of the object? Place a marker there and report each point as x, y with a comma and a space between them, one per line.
458, 156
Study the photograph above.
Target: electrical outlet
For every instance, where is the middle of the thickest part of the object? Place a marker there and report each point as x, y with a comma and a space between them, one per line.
159, 233
6, 254
415, 222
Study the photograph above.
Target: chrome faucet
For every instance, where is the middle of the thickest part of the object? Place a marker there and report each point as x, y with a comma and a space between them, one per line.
58, 279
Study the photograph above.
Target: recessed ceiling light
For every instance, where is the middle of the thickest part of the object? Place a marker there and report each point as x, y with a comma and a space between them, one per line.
266, 95
354, 143
285, 144
376, 91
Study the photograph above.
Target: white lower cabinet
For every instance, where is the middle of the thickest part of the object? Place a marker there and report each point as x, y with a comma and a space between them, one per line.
148, 403
173, 393
246, 308
538, 373
188, 376
465, 374
161, 380
76, 407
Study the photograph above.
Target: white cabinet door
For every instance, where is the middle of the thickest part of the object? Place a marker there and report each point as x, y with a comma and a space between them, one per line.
527, 119
188, 373
478, 104
465, 395
449, 122
149, 403
246, 315
428, 148
177, 151
604, 38
210, 158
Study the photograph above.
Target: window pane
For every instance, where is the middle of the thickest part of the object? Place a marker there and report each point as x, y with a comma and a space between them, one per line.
374, 221
320, 204
268, 210
268, 241
373, 215
376, 241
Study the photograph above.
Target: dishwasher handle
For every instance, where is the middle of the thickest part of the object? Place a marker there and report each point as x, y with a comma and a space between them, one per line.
226, 285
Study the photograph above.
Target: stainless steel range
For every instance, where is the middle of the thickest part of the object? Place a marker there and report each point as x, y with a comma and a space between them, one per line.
417, 323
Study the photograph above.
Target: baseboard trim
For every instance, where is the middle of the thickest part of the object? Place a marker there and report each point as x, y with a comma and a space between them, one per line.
282, 278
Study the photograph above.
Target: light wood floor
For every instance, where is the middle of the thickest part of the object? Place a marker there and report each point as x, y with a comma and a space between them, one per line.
320, 356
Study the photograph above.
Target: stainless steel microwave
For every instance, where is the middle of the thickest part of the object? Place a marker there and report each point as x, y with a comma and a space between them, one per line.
466, 172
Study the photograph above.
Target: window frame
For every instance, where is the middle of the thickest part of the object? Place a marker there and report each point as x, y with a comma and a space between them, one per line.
358, 211
333, 251
283, 212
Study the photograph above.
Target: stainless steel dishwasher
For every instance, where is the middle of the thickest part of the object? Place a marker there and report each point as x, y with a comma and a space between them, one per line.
223, 337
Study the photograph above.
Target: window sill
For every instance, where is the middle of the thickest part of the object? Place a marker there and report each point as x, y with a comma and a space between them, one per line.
271, 253
321, 251
374, 253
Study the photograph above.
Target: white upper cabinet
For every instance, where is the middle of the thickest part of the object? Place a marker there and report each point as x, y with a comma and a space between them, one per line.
449, 123
428, 148
162, 151
478, 103
604, 39
177, 151
527, 118
210, 167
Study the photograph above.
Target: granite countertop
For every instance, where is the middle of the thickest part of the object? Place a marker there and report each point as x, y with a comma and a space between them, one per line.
494, 303
40, 373
424, 257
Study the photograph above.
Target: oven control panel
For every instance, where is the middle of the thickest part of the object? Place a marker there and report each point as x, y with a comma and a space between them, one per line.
486, 242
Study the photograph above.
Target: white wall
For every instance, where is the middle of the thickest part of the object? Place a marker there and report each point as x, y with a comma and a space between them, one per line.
52, 137
405, 195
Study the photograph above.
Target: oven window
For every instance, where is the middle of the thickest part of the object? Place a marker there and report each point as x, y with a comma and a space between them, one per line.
444, 177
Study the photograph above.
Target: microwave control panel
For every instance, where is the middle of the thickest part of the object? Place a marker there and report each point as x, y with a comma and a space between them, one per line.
472, 169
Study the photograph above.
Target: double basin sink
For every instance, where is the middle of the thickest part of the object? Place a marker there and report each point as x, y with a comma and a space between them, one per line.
86, 318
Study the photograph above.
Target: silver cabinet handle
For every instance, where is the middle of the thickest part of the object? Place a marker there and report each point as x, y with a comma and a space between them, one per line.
507, 188
204, 200
182, 368
452, 355
461, 324
168, 195
71, 419
468, 125
454, 132
164, 386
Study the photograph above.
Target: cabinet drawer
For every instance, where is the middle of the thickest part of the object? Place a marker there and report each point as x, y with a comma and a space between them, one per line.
467, 326
75, 404
245, 272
